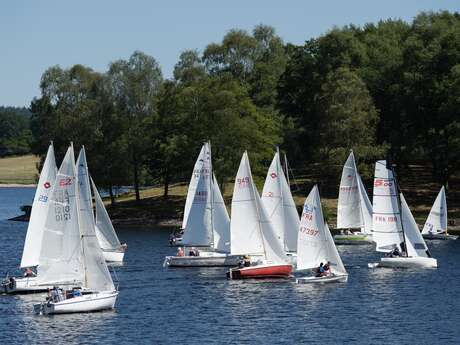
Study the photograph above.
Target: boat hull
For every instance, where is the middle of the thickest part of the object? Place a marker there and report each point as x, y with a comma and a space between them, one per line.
26, 285
86, 303
261, 271
439, 237
113, 255
323, 280
353, 239
408, 262
202, 261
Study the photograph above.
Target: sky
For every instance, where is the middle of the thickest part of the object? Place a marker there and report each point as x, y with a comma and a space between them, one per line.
35, 35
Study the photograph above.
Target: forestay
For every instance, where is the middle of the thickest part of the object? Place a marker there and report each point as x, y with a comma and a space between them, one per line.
415, 243
198, 229
61, 251
40, 206
97, 275
315, 242
280, 207
251, 229
354, 208
205, 155
221, 221
436, 222
386, 231
105, 231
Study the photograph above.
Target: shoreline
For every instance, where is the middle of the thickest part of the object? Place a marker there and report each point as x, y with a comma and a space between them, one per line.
17, 185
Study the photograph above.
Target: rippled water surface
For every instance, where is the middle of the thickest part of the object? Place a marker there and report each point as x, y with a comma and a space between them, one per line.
200, 306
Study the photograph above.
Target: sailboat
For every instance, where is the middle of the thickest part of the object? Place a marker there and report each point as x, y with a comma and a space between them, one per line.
76, 255
31, 257
354, 210
435, 227
252, 233
280, 207
207, 226
316, 245
113, 250
394, 229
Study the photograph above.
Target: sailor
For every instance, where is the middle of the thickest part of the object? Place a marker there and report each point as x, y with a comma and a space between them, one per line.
246, 261
180, 252
29, 273
327, 268
192, 252
320, 270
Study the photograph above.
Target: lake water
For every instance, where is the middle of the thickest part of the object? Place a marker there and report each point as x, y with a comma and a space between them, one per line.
157, 305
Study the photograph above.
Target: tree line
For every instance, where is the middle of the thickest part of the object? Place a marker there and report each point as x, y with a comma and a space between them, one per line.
387, 88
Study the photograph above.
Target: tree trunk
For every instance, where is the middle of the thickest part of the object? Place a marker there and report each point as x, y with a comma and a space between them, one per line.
112, 196
166, 184
136, 177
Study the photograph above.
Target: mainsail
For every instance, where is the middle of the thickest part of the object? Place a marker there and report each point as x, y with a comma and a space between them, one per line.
315, 242
354, 209
204, 156
97, 275
33, 242
251, 230
386, 230
198, 227
279, 205
61, 250
436, 222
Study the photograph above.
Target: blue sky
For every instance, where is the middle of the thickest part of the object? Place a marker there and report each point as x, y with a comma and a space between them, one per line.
35, 35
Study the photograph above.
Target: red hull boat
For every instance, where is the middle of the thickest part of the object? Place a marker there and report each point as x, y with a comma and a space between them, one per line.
261, 271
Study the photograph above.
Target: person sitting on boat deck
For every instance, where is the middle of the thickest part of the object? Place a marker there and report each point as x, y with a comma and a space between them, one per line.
180, 252
394, 253
327, 268
193, 252
29, 273
56, 294
76, 293
320, 270
246, 261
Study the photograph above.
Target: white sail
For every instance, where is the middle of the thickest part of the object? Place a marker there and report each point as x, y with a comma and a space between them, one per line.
61, 251
366, 207
221, 221
251, 229
105, 231
354, 209
97, 275
204, 156
198, 228
33, 242
436, 222
415, 243
386, 222
315, 242
279, 205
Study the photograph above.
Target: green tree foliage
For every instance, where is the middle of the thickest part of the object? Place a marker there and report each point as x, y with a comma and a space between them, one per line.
15, 135
348, 120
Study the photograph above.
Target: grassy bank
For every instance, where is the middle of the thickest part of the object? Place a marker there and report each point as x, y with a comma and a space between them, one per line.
18, 170
154, 208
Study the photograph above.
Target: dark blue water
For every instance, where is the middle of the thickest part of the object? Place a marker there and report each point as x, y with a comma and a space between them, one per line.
199, 306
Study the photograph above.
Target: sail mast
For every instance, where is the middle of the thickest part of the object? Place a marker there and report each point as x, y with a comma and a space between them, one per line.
211, 191
398, 198
279, 171
254, 190
361, 214
77, 199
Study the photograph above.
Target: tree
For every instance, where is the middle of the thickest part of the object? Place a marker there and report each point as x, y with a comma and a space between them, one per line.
348, 121
135, 84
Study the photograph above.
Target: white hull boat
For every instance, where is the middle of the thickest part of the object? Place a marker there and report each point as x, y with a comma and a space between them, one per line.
113, 255
406, 262
216, 260
439, 237
23, 285
86, 303
333, 278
